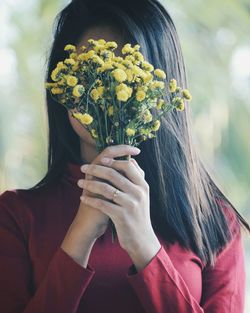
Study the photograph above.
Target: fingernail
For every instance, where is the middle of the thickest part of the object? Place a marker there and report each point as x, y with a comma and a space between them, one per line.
136, 150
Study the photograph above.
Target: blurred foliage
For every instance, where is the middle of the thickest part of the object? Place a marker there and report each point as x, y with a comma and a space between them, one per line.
216, 44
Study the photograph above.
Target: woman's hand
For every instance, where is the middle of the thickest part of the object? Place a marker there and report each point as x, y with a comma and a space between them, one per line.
130, 210
94, 220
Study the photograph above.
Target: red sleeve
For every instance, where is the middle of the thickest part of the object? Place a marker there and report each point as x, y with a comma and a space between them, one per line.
160, 288
61, 288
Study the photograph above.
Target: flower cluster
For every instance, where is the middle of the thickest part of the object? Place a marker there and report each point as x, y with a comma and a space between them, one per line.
119, 99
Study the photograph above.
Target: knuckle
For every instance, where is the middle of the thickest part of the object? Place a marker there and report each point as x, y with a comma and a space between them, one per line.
111, 174
140, 194
106, 190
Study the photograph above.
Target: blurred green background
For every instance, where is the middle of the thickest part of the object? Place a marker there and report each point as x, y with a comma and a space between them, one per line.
215, 39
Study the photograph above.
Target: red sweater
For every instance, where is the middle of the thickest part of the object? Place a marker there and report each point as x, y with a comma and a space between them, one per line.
37, 276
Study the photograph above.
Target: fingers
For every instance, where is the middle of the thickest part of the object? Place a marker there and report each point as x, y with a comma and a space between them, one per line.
105, 190
109, 174
119, 150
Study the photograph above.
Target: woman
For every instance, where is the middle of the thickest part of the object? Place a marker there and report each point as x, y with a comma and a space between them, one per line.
179, 245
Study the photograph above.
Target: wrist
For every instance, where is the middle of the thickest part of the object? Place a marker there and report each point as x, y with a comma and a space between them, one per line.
142, 251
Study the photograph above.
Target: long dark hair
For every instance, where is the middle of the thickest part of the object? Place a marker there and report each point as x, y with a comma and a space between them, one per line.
186, 204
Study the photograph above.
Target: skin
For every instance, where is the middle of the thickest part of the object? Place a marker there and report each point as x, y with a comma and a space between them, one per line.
129, 211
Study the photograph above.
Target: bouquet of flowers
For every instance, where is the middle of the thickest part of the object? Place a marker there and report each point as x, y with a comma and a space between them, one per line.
113, 96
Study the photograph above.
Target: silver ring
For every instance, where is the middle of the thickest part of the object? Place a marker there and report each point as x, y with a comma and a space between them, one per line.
115, 194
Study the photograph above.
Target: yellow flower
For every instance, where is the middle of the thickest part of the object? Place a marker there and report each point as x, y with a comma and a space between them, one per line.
127, 49
71, 80
94, 94
119, 75
137, 47
111, 45
97, 59
55, 74
158, 84
178, 103
160, 104
86, 56
70, 48
130, 131
100, 90
140, 95
101, 41
105, 67
110, 110
138, 56
130, 75
49, 85
70, 61
61, 66
94, 133
56, 91
147, 117
156, 125
159, 73
124, 87
78, 91
147, 66
73, 55
186, 94
122, 95
147, 77
172, 85
83, 118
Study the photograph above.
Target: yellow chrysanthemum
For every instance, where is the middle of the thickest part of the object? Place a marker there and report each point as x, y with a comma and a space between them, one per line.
55, 75
98, 60
156, 125
186, 94
160, 74
100, 90
86, 56
140, 95
105, 67
101, 42
56, 91
119, 75
94, 94
160, 104
147, 66
110, 110
111, 45
127, 49
49, 85
70, 61
122, 95
130, 131
124, 87
83, 118
178, 102
147, 117
130, 75
172, 85
72, 80
73, 55
138, 56
94, 133
78, 91
70, 48
158, 84
147, 77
